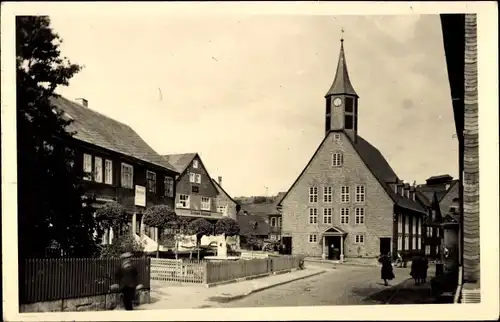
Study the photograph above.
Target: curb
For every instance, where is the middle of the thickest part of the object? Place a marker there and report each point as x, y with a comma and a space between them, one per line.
240, 296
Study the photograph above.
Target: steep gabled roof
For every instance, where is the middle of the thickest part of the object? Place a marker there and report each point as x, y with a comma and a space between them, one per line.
377, 165
180, 161
97, 129
220, 189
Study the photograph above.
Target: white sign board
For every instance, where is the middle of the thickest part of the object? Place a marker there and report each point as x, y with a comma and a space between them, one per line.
140, 196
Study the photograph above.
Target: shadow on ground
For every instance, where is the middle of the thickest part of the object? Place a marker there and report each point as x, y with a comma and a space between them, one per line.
405, 295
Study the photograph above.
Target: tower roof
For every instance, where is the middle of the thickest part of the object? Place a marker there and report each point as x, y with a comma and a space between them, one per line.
341, 83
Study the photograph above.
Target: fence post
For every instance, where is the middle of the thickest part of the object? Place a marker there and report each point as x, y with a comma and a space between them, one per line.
205, 272
270, 265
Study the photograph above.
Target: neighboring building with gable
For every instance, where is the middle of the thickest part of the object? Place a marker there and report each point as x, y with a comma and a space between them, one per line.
348, 201
226, 205
436, 196
120, 165
196, 193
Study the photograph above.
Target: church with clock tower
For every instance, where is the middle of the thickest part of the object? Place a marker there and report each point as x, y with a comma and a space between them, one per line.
348, 202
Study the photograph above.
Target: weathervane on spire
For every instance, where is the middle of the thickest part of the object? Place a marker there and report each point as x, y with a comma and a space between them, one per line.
342, 36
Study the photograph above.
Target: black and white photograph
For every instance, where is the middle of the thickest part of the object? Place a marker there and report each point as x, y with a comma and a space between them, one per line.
230, 161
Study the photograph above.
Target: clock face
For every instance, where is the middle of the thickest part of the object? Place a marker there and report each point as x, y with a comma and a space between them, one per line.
337, 101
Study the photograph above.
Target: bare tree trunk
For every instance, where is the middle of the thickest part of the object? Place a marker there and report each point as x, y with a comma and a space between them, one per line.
158, 243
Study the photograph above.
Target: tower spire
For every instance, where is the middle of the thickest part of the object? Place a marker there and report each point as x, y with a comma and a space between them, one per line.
341, 83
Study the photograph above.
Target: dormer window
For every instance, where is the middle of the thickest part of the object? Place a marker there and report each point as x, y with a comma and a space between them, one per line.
195, 164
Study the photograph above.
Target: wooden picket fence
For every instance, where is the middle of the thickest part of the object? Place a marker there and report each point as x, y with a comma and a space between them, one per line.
177, 270
207, 272
65, 278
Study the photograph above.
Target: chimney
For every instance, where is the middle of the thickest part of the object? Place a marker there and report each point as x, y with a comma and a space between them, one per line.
82, 101
220, 180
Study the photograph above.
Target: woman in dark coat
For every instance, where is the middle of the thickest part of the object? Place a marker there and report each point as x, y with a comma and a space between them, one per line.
416, 269
386, 271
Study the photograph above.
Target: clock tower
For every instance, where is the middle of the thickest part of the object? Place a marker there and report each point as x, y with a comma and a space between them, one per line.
342, 101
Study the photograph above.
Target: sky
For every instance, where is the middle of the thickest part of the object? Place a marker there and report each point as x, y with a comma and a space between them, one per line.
247, 91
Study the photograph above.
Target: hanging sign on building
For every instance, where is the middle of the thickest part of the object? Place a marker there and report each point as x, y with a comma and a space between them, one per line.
140, 196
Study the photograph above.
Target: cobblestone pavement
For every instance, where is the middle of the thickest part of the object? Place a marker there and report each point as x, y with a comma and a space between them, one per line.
344, 285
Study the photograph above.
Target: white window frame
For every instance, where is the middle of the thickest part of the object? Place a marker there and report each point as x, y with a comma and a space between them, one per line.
345, 194
108, 171
360, 193
195, 164
419, 242
87, 166
414, 242
168, 187
328, 194
274, 222
327, 216
407, 225
205, 203
192, 177
313, 194
414, 225
337, 159
184, 202
344, 216
147, 181
359, 239
400, 242
359, 216
400, 223
313, 215
313, 238
419, 227
98, 169
127, 182
407, 242
427, 249
198, 178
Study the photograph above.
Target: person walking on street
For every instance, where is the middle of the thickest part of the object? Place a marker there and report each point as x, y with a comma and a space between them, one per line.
416, 269
387, 273
127, 277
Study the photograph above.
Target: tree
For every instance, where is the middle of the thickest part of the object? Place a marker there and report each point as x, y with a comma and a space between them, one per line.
112, 215
200, 227
52, 206
227, 226
160, 217
122, 244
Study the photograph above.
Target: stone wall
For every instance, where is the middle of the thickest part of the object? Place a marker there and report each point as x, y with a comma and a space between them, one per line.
91, 303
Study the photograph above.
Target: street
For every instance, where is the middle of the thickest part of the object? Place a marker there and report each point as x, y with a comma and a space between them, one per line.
345, 285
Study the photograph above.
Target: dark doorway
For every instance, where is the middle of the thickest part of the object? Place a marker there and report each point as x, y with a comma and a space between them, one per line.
333, 244
286, 243
385, 245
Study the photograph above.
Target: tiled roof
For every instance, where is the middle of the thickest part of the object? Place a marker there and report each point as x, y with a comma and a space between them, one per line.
100, 130
221, 190
261, 209
252, 224
380, 168
180, 161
